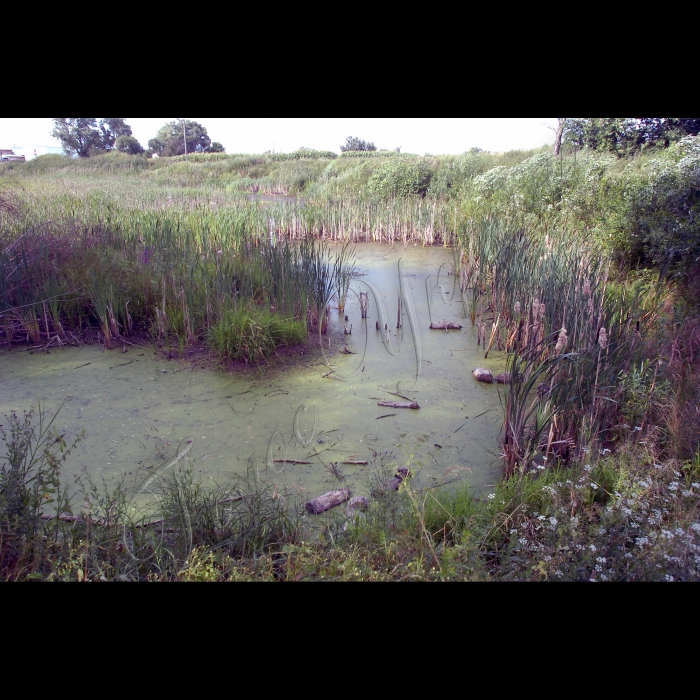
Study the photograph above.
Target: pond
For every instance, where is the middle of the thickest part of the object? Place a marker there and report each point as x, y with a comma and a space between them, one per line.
142, 412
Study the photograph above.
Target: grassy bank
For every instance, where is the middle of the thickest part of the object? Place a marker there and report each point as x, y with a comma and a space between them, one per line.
620, 516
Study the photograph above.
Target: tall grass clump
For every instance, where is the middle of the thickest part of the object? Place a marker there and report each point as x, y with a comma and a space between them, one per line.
253, 335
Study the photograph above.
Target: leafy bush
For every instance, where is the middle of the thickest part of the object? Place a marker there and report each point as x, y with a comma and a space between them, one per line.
656, 213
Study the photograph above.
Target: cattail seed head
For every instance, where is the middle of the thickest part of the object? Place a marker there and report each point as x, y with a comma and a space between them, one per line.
517, 307
603, 338
587, 288
541, 310
561, 341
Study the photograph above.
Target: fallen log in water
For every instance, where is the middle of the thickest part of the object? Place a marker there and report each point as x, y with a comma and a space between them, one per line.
483, 375
445, 325
327, 501
398, 404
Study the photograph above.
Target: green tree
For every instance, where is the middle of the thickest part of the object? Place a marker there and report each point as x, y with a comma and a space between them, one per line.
170, 140
78, 135
111, 130
83, 136
627, 135
352, 143
128, 144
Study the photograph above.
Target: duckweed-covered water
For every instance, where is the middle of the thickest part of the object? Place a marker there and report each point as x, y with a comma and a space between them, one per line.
140, 410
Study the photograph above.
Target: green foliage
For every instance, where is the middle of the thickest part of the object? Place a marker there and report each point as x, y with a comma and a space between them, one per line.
113, 129
381, 153
83, 137
79, 136
128, 144
352, 143
621, 517
252, 334
400, 177
454, 174
114, 161
302, 153
180, 137
46, 163
29, 478
654, 214
626, 136
208, 157
643, 390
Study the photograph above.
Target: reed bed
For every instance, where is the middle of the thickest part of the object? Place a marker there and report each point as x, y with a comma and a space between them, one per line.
128, 208
568, 334
77, 262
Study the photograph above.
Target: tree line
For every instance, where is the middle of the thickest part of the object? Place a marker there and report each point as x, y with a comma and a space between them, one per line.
86, 136
82, 137
623, 136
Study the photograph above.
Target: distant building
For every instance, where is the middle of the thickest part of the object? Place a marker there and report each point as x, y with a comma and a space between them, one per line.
7, 154
30, 152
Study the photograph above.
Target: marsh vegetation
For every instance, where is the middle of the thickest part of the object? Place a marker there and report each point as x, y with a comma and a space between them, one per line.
580, 270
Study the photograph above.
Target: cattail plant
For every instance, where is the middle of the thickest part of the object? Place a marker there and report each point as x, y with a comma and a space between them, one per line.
560, 284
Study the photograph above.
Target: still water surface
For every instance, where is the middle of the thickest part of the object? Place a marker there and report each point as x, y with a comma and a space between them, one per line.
140, 410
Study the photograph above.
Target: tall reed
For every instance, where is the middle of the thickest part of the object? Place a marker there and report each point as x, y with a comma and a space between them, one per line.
567, 338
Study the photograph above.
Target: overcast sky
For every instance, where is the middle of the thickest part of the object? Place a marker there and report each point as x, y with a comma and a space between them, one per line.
436, 135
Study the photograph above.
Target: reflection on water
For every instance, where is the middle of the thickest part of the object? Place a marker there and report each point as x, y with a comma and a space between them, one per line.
140, 410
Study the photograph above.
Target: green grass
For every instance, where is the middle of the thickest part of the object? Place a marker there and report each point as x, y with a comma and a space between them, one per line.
253, 334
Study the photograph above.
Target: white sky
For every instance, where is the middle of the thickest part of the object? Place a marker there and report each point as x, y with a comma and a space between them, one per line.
438, 135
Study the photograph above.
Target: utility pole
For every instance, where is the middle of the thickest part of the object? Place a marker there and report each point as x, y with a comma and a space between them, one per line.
184, 135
